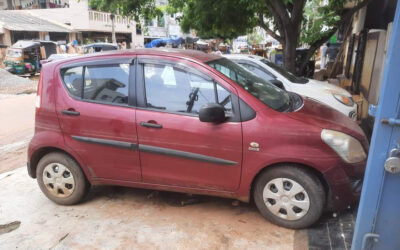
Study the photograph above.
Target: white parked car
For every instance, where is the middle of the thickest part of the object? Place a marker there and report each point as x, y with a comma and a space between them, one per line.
323, 92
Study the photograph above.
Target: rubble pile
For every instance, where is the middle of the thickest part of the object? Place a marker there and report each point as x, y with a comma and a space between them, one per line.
12, 84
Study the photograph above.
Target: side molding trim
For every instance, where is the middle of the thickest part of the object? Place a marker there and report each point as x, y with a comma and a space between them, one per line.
184, 154
105, 142
154, 150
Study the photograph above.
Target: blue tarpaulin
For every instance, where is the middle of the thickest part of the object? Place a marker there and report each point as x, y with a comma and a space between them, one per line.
163, 41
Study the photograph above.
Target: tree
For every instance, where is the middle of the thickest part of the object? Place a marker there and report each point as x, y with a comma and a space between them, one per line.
281, 19
214, 19
284, 20
138, 9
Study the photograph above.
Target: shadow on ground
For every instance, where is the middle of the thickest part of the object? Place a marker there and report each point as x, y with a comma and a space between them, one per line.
333, 232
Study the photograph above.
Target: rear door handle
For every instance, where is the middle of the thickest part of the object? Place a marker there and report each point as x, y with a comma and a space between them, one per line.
70, 112
150, 125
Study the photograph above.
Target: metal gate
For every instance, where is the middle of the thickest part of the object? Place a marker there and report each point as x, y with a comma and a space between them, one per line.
378, 220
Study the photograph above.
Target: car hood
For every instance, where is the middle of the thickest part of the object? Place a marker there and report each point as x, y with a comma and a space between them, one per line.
322, 86
323, 116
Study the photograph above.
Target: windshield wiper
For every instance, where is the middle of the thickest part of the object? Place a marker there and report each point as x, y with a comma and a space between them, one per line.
193, 96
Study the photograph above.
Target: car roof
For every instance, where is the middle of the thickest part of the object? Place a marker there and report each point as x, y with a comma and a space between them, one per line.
244, 56
101, 45
180, 53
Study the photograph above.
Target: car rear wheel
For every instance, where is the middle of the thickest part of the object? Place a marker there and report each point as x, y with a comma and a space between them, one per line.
61, 179
289, 196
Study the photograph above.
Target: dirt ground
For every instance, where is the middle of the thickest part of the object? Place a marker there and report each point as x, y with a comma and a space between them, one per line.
117, 217
128, 218
17, 114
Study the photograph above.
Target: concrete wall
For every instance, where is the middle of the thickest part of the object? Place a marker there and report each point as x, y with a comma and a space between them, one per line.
76, 15
80, 18
3, 4
30, 4
6, 37
137, 41
359, 20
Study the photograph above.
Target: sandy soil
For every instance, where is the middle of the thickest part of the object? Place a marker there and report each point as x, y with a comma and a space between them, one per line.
17, 114
129, 218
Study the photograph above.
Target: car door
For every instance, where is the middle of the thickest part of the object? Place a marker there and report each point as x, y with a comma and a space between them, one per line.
176, 148
96, 116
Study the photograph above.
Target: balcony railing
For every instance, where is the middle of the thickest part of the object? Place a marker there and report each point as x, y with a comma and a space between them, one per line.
98, 16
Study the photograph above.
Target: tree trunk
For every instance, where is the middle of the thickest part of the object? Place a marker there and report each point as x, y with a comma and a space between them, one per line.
289, 53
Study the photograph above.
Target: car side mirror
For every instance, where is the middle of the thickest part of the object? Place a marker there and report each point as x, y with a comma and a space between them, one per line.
277, 83
212, 112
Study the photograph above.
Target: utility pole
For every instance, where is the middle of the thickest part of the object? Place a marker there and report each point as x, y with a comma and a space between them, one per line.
114, 40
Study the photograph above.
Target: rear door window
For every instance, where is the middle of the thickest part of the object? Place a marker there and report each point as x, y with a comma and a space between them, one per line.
72, 78
107, 84
101, 83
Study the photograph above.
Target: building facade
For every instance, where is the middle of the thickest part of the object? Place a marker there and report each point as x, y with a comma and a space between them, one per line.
95, 26
87, 25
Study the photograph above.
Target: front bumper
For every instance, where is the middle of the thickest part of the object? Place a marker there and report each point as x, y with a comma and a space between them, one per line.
344, 196
345, 189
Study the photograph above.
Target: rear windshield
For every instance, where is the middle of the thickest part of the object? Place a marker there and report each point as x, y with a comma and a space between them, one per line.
285, 73
265, 91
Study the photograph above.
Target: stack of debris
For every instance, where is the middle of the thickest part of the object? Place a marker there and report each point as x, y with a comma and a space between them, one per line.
12, 84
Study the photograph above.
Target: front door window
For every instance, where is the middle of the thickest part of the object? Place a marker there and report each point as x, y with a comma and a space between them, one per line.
175, 90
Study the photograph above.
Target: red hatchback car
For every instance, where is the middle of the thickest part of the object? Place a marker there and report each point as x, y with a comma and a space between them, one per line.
191, 122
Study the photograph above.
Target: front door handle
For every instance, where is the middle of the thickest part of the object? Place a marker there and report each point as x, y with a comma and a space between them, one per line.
150, 125
70, 112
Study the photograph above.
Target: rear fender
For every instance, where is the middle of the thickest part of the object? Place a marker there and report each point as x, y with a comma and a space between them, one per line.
50, 141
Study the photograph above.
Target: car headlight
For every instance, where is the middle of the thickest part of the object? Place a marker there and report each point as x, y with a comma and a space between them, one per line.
346, 100
346, 146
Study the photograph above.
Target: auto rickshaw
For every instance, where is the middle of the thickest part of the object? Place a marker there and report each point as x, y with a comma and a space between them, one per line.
24, 57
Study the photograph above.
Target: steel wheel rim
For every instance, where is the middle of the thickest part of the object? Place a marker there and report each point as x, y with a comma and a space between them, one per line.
58, 180
286, 199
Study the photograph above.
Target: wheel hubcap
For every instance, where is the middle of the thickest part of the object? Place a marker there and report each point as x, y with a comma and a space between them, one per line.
286, 199
58, 180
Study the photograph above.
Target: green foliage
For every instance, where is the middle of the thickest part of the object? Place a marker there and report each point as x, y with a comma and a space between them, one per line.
215, 19
254, 38
230, 18
319, 19
289, 21
137, 9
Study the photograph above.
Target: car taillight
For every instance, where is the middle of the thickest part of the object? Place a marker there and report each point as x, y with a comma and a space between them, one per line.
38, 101
39, 94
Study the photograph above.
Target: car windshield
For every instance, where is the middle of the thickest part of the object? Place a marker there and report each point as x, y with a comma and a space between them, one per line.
265, 91
14, 53
284, 72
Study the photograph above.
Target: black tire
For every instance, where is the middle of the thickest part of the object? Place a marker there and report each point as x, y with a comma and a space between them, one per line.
81, 185
311, 184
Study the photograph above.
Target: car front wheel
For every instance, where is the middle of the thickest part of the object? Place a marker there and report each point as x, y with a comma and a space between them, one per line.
289, 196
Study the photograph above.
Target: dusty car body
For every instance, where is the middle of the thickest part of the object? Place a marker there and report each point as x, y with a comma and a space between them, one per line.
186, 121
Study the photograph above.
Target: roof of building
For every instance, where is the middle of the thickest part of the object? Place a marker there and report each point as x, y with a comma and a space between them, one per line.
16, 20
